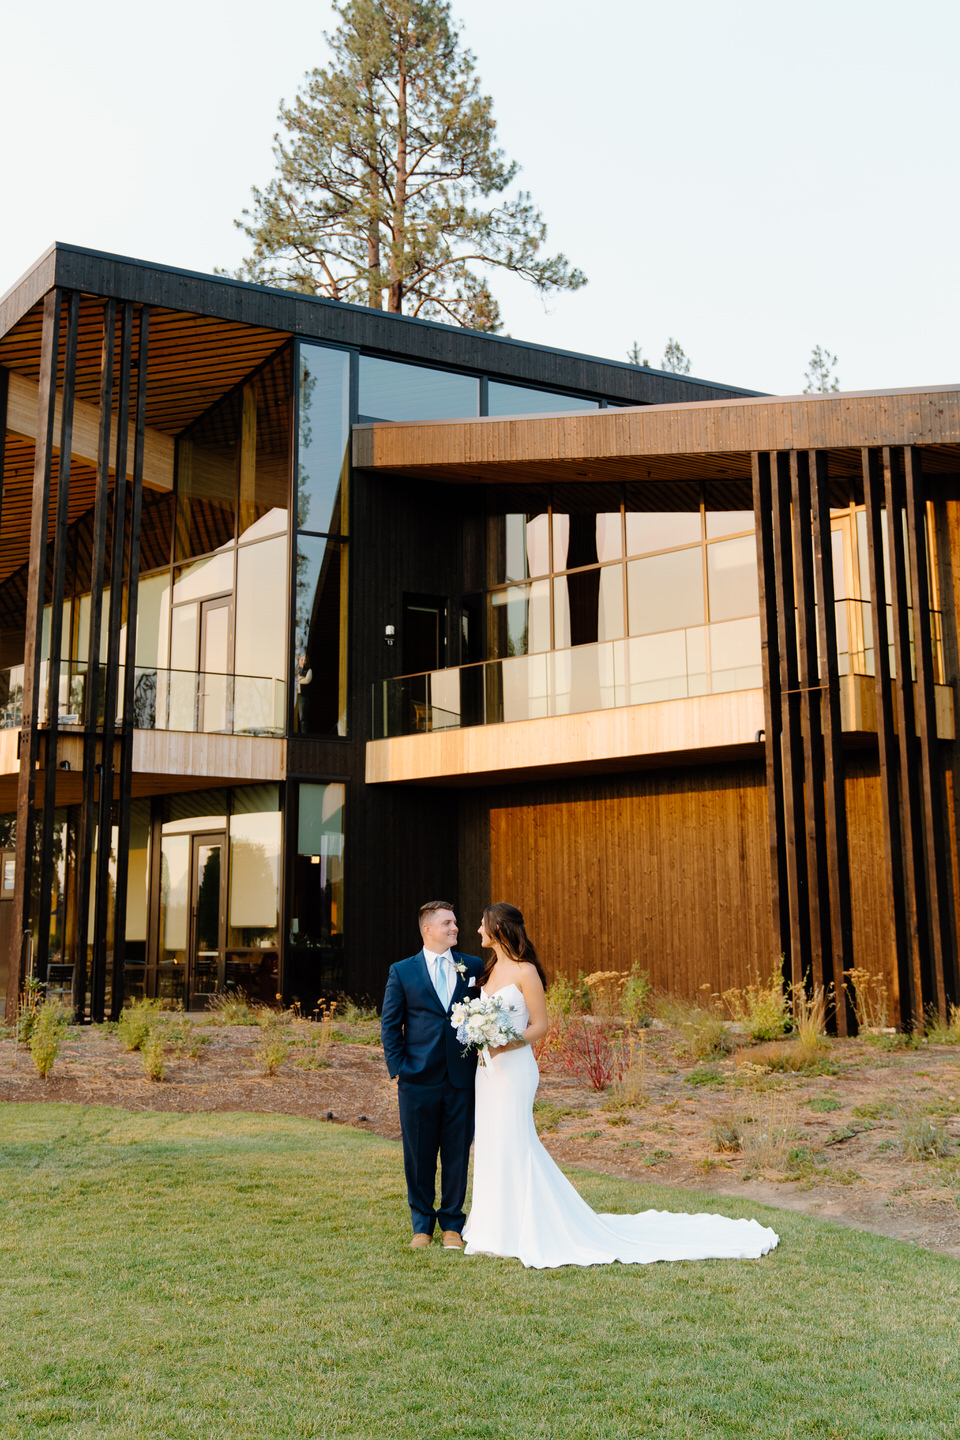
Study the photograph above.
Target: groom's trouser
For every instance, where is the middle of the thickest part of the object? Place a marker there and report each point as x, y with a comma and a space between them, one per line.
436, 1120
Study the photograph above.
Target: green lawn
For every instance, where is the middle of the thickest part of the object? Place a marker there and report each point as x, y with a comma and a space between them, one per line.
248, 1276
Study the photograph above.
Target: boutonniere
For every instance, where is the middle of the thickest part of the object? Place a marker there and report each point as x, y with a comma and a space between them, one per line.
460, 968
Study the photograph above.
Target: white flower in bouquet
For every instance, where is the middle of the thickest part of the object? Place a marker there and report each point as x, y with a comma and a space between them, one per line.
481, 1022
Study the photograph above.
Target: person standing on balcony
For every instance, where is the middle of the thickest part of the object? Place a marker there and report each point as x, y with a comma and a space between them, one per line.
304, 676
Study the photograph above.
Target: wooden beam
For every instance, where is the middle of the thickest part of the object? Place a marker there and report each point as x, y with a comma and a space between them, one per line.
60, 544
23, 412
943, 950
790, 722
770, 660
36, 579
96, 795
818, 890
836, 846
917, 920
129, 670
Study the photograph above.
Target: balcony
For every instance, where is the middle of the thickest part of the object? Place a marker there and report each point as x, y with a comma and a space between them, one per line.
182, 700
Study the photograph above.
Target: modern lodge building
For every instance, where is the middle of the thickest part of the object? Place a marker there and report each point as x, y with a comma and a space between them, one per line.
317, 612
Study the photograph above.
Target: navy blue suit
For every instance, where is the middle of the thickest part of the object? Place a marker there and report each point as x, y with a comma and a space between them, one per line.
435, 1089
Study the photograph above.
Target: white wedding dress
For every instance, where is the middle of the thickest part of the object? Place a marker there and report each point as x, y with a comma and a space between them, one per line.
524, 1206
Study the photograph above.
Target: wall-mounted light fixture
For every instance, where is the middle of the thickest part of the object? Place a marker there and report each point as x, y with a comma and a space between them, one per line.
759, 736
389, 634
64, 764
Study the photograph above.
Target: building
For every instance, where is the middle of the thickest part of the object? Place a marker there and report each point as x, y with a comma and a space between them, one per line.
295, 605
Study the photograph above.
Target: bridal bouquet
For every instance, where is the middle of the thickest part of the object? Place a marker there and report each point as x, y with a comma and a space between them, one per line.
481, 1022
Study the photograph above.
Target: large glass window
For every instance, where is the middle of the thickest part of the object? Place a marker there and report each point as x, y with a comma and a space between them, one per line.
254, 901
732, 578
665, 592
316, 913
518, 547
323, 431
524, 400
321, 619
390, 390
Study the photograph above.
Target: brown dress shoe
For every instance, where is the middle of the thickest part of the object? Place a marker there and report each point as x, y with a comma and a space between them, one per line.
452, 1240
420, 1242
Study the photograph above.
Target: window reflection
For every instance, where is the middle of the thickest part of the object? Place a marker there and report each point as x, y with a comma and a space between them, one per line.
728, 522
661, 530
321, 601
732, 578
588, 607
524, 400
517, 547
391, 390
665, 592
315, 957
323, 435
518, 620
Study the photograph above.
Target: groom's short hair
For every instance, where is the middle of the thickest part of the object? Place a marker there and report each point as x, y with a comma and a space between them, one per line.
427, 910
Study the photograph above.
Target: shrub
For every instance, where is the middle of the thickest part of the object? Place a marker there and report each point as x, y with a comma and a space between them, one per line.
703, 1032
634, 997
31, 999
135, 1022
604, 988
272, 1050
46, 1035
727, 1131
151, 1057
561, 998
761, 1008
943, 1032
810, 1017
924, 1137
629, 1081
868, 995
589, 1053
232, 1007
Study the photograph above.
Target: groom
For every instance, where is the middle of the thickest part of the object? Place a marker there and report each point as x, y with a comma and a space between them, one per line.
435, 1081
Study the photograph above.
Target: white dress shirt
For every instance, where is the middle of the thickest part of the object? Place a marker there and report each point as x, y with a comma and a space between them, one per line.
441, 973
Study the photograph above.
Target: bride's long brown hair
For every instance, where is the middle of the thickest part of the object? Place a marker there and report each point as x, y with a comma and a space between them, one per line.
504, 923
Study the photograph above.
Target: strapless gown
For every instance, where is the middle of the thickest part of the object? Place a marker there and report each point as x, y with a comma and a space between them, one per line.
524, 1206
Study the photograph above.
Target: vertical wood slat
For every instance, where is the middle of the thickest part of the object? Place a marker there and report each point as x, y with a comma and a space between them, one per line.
4, 392
903, 937
101, 893
809, 678
91, 695
36, 580
129, 672
60, 544
773, 754
943, 954
835, 840
791, 737
907, 734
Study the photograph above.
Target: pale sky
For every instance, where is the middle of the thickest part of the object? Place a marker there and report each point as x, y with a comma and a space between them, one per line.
750, 177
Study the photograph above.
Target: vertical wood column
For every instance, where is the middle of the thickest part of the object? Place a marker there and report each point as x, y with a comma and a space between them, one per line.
770, 660
129, 670
4, 391
29, 739
903, 933
101, 891
809, 678
92, 791
943, 952
60, 543
795, 857
840, 953
907, 728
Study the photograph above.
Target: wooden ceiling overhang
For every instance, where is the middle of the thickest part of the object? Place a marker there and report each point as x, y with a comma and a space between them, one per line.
663, 443
207, 333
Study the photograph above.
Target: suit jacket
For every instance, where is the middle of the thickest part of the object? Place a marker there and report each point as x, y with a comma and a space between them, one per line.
419, 1043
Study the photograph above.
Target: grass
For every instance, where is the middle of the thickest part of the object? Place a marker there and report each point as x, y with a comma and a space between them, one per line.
216, 1277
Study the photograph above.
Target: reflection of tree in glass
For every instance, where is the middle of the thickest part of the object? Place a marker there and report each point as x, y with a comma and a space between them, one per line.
308, 384
208, 903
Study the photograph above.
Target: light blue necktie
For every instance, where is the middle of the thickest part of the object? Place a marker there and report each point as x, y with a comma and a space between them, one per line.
442, 986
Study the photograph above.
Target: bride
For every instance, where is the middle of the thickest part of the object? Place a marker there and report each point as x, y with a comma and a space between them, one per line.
523, 1205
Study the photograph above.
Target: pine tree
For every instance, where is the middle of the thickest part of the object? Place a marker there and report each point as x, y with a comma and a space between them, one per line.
388, 151
674, 358
820, 376
635, 356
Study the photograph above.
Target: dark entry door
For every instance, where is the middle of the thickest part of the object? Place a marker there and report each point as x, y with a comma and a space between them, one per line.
424, 648
208, 918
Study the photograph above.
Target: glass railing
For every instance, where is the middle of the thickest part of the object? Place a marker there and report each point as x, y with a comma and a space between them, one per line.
200, 702
641, 670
